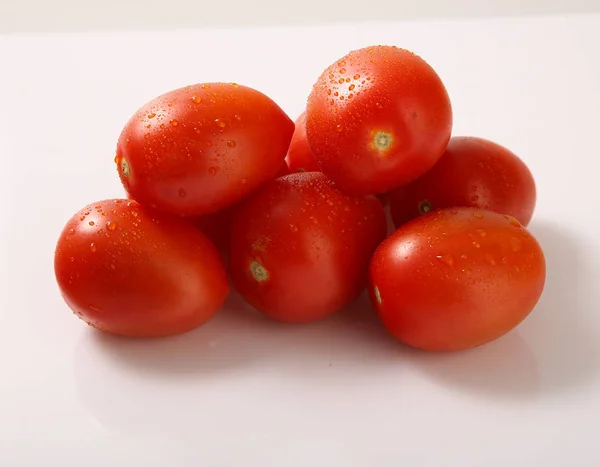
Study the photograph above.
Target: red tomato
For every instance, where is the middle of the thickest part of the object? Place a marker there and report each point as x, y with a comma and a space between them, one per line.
216, 226
199, 149
472, 172
300, 248
299, 158
378, 118
456, 278
128, 271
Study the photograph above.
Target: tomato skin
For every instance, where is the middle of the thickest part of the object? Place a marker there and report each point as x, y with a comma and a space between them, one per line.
299, 157
456, 278
199, 149
377, 119
300, 248
132, 272
473, 172
216, 226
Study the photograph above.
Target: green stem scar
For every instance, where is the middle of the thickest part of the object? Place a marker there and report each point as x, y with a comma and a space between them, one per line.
125, 168
258, 271
382, 141
377, 295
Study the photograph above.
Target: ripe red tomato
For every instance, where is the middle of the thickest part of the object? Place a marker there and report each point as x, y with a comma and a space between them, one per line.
300, 248
378, 118
472, 172
128, 271
456, 278
216, 226
199, 149
299, 157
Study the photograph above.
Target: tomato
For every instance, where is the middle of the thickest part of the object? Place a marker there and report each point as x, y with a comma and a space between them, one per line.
300, 248
472, 172
199, 149
299, 158
377, 119
456, 278
126, 270
216, 226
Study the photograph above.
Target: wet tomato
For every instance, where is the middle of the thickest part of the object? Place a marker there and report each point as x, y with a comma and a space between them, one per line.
129, 271
300, 248
377, 119
456, 278
299, 157
199, 149
472, 172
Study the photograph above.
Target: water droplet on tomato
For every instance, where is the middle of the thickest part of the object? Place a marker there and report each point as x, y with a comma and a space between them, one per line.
196, 99
514, 222
515, 244
231, 143
82, 218
481, 232
478, 215
356, 76
72, 259
476, 245
446, 259
111, 225
174, 122
235, 85
339, 128
238, 118
378, 105
351, 87
152, 115
205, 86
220, 123
293, 228
91, 223
489, 259
93, 247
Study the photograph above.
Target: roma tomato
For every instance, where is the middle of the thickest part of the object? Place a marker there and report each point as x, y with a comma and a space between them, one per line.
299, 158
216, 226
199, 149
300, 248
378, 118
472, 172
128, 271
456, 278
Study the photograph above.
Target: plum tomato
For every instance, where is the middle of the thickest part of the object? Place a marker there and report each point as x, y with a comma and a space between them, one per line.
472, 172
377, 119
129, 271
299, 158
201, 148
300, 248
456, 278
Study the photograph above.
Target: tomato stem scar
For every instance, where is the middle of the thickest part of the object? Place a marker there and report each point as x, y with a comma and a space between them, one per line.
425, 206
125, 168
382, 141
377, 295
258, 271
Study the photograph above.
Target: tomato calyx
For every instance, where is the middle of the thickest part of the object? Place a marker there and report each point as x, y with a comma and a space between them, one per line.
258, 271
382, 140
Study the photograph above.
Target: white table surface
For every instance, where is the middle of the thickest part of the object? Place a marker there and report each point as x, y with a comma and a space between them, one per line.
245, 392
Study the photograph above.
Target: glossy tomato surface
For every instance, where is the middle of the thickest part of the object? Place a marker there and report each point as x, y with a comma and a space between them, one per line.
472, 172
199, 149
456, 278
377, 119
128, 271
299, 157
300, 248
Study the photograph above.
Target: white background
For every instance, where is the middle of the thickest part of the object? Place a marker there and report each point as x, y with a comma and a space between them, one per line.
245, 392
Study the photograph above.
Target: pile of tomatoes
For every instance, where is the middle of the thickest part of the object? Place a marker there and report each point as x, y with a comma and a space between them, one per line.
224, 188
